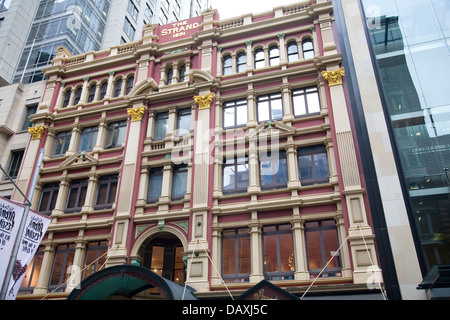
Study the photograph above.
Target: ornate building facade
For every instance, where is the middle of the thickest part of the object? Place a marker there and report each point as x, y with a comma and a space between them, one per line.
215, 153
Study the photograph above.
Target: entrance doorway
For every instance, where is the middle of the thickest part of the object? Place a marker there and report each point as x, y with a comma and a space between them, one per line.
163, 254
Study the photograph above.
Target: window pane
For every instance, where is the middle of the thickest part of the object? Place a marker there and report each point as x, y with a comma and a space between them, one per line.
229, 178
277, 109
263, 111
229, 254
162, 120
157, 260
270, 253
184, 122
281, 174
299, 105
241, 117
179, 184
313, 102
286, 252
321, 166
228, 117
242, 178
331, 246
313, 250
306, 172
155, 184
244, 254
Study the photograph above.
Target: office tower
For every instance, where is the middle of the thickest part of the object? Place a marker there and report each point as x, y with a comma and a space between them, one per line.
80, 26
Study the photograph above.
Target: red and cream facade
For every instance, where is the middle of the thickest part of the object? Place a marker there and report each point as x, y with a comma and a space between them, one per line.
129, 85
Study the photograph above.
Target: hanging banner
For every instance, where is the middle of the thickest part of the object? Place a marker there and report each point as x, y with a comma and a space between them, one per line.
35, 227
10, 216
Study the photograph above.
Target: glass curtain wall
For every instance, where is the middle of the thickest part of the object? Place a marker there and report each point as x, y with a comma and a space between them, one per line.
411, 42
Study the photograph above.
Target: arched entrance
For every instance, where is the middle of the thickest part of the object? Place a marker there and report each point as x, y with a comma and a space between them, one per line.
162, 253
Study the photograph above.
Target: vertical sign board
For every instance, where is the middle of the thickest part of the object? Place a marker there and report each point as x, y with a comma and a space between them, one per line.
35, 227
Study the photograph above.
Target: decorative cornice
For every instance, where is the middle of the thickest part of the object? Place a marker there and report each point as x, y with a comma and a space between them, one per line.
204, 102
334, 78
36, 132
136, 114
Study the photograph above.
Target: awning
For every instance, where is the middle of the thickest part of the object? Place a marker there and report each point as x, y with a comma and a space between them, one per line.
127, 282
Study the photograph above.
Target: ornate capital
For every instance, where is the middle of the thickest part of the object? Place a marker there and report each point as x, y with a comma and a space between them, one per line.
36, 132
204, 102
334, 78
136, 114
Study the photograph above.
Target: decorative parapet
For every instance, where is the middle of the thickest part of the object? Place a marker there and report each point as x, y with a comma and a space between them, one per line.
204, 102
36, 132
334, 78
136, 114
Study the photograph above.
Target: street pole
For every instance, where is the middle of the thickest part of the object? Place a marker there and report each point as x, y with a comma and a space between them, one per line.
18, 239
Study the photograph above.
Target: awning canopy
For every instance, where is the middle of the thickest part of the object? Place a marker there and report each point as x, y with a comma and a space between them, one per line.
126, 282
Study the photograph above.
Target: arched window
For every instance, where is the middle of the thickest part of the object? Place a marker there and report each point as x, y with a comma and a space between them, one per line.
169, 76
92, 90
308, 49
182, 73
274, 56
118, 88
292, 51
241, 62
227, 65
103, 90
130, 84
66, 98
77, 96
259, 59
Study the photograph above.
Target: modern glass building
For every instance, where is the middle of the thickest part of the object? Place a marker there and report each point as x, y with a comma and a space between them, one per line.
399, 75
84, 26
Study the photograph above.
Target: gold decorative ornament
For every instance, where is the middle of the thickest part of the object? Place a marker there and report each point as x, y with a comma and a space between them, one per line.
334, 78
204, 102
36, 132
136, 114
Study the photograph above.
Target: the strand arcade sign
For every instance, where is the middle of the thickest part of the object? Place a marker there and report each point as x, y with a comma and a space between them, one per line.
179, 30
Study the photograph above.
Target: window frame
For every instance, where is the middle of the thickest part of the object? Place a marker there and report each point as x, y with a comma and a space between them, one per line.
237, 162
308, 51
65, 136
111, 182
67, 253
92, 133
311, 152
320, 228
305, 92
99, 248
162, 116
120, 127
282, 159
241, 66
185, 113
158, 173
179, 170
284, 275
227, 65
53, 190
15, 162
274, 55
237, 276
292, 56
271, 98
259, 63
235, 105
80, 187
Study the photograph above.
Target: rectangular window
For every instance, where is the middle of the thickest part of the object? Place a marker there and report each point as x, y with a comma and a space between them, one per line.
129, 29
49, 195
273, 170
305, 101
235, 178
155, 185
76, 196
313, 165
88, 139
179, 183
106, 192
95, 258
270, 107
63, 261
14, 164
278, 252
183, 122
235, 114
236, 258
26, 121
321, 244
161, 124
132, 10
61, 143
116, 134
31, 278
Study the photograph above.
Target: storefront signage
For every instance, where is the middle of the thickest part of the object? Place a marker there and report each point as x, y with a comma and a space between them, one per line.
179, 30
265, 290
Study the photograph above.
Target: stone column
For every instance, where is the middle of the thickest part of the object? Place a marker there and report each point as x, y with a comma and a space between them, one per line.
123, 217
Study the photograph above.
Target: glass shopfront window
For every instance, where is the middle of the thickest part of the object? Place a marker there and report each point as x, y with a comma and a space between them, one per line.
411, 41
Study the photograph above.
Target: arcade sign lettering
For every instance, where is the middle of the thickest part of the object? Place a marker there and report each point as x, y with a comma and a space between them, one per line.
179, 29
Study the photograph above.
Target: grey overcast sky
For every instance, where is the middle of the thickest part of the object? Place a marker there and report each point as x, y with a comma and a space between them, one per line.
235, 8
